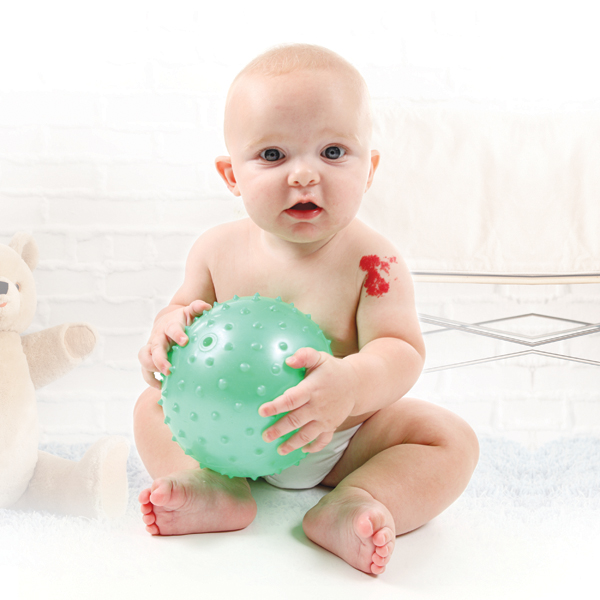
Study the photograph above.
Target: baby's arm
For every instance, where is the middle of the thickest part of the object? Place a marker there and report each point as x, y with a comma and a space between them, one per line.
191, 299
392, 350
388, 364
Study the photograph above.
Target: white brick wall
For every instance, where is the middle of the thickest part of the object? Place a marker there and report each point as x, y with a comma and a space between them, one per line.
110, 119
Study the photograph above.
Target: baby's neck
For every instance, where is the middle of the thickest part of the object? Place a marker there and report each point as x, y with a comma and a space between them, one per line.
288, 250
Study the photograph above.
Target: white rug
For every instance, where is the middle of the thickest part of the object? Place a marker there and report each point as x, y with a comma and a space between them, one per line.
528, 526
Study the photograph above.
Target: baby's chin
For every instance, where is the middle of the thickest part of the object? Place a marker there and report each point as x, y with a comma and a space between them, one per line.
303, 235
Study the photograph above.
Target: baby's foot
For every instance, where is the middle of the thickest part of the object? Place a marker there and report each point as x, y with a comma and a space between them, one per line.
196, 501
350, 523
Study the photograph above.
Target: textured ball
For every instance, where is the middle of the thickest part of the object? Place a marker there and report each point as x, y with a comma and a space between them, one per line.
233, 363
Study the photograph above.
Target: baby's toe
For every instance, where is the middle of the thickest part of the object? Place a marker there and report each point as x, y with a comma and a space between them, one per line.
385, 550
380, 561
153, 529
146, 508
384, 541
161, 492
149, 519
383, 536
144, 496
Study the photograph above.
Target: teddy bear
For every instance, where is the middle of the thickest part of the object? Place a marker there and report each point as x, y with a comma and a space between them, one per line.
96, 485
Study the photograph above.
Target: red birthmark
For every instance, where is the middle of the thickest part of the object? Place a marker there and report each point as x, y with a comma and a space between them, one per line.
375, 284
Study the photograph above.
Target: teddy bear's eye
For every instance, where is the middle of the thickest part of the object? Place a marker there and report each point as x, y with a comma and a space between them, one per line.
18, 287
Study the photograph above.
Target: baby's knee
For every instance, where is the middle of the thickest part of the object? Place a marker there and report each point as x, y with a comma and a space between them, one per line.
147, 404
463, 442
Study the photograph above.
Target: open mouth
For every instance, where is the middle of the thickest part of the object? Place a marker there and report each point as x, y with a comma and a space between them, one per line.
304, 210
305, 206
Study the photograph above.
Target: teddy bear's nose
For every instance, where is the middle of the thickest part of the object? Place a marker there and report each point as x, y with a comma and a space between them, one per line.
3, 287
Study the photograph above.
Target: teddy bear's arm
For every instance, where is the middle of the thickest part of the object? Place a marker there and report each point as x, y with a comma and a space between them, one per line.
53, 352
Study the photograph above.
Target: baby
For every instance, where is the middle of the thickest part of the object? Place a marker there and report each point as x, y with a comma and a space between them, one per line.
298, 131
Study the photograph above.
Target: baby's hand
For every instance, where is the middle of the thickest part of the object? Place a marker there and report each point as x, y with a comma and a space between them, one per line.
168, 329
317, 406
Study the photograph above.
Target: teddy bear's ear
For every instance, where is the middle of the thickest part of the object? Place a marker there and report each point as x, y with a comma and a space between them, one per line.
24, 245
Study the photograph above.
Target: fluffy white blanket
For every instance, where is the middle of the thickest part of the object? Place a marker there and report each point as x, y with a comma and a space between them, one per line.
528, 526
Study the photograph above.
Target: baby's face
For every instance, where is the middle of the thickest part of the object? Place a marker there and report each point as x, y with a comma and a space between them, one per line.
300, 152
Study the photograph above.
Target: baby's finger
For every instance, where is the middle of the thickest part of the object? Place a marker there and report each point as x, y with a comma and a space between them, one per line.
174, 331
160, 359
307, 358
150, 379
307, 434
195, 309
145, 358
148, 366
291, 399
287, 424
318, 444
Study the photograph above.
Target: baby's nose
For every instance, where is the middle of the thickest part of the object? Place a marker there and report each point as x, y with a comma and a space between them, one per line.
303, 175
3, 287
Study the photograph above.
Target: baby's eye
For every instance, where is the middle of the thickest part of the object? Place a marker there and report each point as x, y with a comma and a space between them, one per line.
271, 154
333, 152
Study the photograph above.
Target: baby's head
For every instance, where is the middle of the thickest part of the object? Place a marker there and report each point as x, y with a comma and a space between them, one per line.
299, 59
298, 130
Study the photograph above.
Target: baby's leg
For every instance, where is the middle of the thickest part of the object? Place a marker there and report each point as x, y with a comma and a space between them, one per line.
404, 466
183, 497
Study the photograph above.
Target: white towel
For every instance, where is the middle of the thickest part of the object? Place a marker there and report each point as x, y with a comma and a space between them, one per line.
473, 190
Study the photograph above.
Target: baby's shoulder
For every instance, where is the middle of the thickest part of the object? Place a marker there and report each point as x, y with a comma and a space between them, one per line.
222, 235
217, 241
363, 240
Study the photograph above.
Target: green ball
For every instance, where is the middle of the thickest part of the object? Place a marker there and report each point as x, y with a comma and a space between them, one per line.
233, 363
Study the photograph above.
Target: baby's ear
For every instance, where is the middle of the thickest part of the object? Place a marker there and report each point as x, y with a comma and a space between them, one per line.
223, 164
24, 245
374, 164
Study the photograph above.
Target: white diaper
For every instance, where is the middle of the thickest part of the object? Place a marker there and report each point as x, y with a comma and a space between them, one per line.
314, 466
